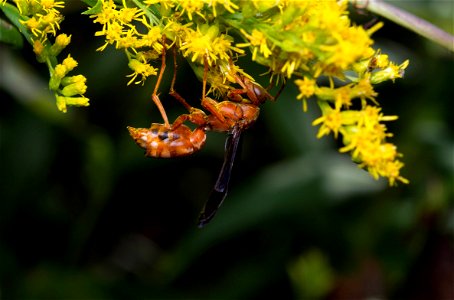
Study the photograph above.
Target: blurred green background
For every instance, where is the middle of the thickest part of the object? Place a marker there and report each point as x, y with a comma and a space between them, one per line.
84, 215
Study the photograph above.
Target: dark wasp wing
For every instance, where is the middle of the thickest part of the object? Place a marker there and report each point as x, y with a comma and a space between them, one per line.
220, 189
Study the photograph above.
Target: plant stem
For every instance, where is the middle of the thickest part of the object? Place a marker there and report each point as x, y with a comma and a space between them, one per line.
408, 20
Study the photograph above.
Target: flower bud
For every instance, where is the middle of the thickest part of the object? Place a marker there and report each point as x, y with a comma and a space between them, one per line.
61, 103
70, 63
73, 79
61, 41
77, 88
40, 51
77, 101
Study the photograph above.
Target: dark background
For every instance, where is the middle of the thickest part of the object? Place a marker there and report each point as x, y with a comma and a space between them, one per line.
83, 214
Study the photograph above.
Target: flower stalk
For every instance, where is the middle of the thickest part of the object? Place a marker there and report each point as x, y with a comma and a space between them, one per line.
39, 21
409, 21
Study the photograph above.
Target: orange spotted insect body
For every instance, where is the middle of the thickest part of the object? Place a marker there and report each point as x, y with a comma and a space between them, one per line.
233, 115
227, 114
161, 141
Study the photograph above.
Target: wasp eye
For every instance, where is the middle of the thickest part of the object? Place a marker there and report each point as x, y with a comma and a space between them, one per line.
258, 90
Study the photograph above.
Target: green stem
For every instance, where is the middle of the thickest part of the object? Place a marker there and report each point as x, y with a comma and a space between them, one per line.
408, 20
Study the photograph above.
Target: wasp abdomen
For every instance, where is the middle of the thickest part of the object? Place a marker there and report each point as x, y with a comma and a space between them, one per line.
160, 141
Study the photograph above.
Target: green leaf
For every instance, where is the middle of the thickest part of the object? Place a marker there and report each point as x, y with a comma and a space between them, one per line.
14, 16
10, 35
95, 8
90, 3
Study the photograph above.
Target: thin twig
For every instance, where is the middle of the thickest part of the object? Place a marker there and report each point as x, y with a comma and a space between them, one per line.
408, 20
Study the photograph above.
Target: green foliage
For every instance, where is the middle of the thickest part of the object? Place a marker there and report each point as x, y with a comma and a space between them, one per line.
10, 35
302, 273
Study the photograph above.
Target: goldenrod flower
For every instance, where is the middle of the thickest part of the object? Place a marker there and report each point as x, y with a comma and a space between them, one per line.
190, 7
63, 102
39, 50
70, 63
391, 72
332, 121
313, 42
60, 71
307, 88
61, 41
258, 41
41, 20
49, 5
142, 69
126, 14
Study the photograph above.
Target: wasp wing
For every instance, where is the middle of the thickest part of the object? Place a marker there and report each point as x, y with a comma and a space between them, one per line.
220, 189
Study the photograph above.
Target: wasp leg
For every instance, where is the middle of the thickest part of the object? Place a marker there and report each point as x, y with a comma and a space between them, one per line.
196, 116
172, 92
212, 106
155, 96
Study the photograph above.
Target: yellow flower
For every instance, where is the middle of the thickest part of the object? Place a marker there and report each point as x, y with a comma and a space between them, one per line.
70, 63
391, 72
364, 136
207, 42
113, 34
76, 88
151, 39
34, 25
363, 89
306, 87
126, 15
382, 61
108, 13
49, 5
51, 22
342, 97
228, 5
352, 44
128, 39
60, 71
62, 40
198, 44
77, 101
259, 42
39, 49
142, 69
222, 47
190, 7
371, 116
332, 120
63, 101
391, 170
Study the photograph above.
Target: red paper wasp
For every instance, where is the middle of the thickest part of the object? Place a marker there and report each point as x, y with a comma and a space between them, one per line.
233, 115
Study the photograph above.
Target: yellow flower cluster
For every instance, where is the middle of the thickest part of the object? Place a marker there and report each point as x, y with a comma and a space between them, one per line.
39, 21
309, 42
364, 136
139, 31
